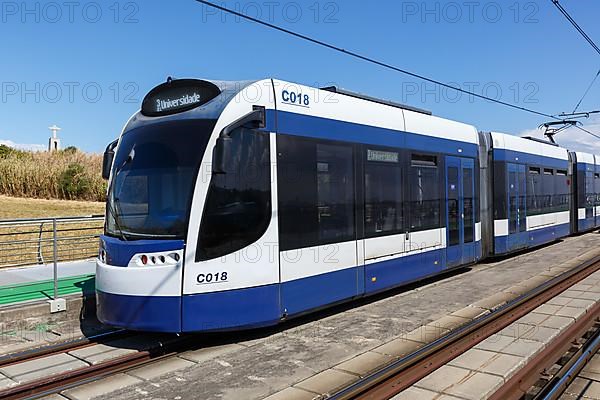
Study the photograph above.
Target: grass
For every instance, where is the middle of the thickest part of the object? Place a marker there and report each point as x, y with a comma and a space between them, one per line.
13, 207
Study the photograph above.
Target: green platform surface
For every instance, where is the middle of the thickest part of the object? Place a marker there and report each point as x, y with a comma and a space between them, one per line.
45, 289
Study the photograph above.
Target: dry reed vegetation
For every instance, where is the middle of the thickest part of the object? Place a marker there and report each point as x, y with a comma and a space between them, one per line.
68, 174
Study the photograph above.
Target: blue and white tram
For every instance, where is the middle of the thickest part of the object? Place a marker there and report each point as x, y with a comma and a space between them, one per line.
531, 192
586, 178
240, 204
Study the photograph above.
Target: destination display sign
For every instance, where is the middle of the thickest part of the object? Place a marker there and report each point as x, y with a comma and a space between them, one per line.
177, 96
382, 156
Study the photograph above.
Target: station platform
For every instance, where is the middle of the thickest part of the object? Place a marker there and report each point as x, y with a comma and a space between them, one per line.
26, 320
25, 284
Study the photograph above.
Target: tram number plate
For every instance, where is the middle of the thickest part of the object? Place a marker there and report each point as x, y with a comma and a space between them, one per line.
216, 277
295, 98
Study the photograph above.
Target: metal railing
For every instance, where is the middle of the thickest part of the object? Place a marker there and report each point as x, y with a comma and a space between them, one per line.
49, 240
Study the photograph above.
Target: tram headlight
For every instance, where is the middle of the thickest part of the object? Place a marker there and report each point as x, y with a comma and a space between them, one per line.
156, 259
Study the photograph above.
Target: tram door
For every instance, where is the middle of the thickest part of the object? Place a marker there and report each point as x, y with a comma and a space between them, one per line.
460, 213
517, 216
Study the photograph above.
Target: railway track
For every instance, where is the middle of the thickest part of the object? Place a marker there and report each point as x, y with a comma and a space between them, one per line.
404, 372
69, 345
553, 382
55, 383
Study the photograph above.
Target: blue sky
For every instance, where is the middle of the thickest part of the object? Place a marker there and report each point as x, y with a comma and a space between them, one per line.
86, 66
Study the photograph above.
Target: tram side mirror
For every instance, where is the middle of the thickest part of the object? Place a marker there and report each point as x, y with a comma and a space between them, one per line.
107, 159
221, 154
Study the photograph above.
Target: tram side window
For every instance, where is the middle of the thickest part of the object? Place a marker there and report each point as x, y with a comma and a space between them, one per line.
316, 192
383, 193
561, 202
548, 190
590, 196
335, 193
238, 205
534, 191
424, 192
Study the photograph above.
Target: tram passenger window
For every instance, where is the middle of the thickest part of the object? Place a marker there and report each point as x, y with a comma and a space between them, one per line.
383, 193
561, 202
315, 191
335, 193
548, 191
424, 193
590, 195
238, 205
534, 191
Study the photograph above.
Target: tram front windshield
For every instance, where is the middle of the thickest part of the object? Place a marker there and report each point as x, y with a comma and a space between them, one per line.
154, 174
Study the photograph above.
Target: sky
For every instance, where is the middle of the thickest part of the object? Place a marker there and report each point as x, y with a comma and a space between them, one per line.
86, 65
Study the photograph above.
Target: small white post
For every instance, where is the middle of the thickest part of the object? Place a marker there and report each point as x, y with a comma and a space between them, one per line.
56, 304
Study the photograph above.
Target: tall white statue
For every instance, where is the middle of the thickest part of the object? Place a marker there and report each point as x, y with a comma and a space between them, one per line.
54, 141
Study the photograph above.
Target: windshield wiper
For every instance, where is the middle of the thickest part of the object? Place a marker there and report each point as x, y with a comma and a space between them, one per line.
114, 213
152, 235
116, 219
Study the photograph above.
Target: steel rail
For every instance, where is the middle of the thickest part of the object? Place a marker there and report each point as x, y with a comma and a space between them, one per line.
402, 373
56, 383
523, 380
122, 364
65, 380
44, 351
559, 383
